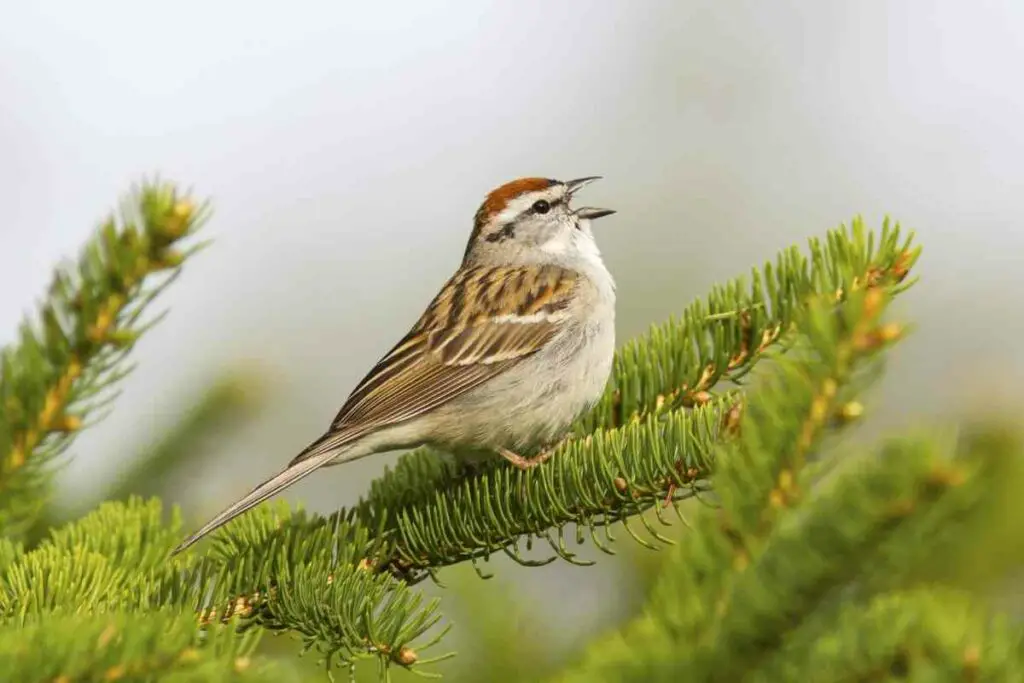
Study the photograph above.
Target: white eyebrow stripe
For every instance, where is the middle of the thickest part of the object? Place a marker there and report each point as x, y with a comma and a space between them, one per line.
520, 204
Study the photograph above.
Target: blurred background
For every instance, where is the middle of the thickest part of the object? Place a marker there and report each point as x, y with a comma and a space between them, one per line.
346, 147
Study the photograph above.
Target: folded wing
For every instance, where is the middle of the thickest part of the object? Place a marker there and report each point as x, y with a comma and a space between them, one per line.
484, 321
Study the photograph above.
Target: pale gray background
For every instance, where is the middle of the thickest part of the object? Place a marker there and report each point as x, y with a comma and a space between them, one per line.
347, 145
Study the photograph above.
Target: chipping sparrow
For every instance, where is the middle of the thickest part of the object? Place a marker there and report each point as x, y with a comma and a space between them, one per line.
518, 343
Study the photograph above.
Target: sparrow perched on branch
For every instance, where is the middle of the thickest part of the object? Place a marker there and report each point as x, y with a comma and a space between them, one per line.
517, 344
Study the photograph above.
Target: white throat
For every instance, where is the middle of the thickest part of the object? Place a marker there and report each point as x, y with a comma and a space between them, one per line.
577, 249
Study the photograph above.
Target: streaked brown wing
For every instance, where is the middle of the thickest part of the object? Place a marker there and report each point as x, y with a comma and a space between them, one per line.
484, 321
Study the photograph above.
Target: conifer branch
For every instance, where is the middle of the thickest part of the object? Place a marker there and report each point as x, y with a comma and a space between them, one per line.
98, 600
719, 339
935, 504
158, 645
314, 581
641, 438
656, 429
978, 517
757, 588
677, 422
920, 634
706, 594
58, 376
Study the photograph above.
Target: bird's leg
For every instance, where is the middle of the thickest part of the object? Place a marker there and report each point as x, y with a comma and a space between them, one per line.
522, 463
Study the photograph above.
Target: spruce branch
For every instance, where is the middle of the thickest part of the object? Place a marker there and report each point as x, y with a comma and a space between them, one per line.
935, 634
607, 477
657, 428
804, 566
973, 533
98, 600
281, 571
722, 577
58, 376
642, 419
158, 645
642, 426
774, 585
677, 421
720, 339
929, 501
112, 559
315, 583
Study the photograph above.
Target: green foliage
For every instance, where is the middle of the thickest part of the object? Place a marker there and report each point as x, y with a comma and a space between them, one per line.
775, 583
721, 338
593, 482
424, 514
798, 563
98, 600
141, 646
927, 634
316, 584
59, 374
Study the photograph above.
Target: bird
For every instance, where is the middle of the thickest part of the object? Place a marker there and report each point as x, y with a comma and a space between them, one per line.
517, 344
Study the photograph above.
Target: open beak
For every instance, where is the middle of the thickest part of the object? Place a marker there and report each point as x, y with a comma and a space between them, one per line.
587, 212
590, 213
572, 186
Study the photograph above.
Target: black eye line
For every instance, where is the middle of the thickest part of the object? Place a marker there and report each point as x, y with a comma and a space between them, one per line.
508, 231
552, 203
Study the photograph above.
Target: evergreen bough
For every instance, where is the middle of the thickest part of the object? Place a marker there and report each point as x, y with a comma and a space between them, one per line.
801, 561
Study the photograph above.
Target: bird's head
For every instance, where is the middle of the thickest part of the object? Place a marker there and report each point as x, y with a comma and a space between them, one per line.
529, 220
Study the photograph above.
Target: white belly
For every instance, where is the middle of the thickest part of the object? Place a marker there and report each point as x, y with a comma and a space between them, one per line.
537, 401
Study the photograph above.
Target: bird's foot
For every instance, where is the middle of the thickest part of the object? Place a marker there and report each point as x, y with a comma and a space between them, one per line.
519, 462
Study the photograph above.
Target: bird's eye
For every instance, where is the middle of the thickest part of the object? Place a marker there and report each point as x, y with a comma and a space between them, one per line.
541, 206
